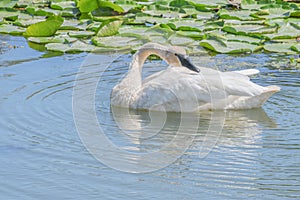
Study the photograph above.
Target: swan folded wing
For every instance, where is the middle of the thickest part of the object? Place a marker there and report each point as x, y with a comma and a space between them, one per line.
171, 91
239, 84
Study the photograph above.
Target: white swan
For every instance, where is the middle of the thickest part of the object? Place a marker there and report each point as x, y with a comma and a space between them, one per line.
183, 87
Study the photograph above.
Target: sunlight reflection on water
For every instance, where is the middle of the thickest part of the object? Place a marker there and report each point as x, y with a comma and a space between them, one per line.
255, 157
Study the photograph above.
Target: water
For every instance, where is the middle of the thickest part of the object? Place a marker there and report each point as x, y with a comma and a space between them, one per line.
255, 156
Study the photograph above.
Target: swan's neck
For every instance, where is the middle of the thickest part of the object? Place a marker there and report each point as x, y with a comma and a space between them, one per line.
134, 77
126, 90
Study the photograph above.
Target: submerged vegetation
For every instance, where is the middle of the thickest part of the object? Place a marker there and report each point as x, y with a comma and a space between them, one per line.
219, 26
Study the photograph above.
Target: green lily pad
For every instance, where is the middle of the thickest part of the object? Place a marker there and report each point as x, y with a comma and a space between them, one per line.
272, 13
41, 11
132, 30
94, 26
285, 31
191, 34
113, 6
109, 28
279, 47
211, 3
191, 11
28, 21
128, 6
250, 5
45, 40
237, 14
178, 40
6, 15
86, 6
77, 46
295, 14
161, 39
296, 47
11, 29
91, 5
45, 28
228, 47
187, 25
116, 41
73, 24
8, 3
242, 38
249, 29
63, 5
178, 3
81, 34
165, 13
149, 19
234, 38
195, 50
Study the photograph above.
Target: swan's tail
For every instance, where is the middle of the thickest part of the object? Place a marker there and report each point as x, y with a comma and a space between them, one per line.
246, 102
248, 72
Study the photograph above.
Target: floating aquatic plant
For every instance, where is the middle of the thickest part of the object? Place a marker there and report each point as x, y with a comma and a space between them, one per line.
218, 25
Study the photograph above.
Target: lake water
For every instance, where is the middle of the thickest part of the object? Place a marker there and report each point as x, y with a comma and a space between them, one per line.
47, 136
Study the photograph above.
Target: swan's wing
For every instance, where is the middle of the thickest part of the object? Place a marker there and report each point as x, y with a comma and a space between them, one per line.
172, 89
153, 76
232, 83
248, 72
177, 85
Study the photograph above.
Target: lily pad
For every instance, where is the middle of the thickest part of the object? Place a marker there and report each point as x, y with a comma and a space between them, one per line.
8, 3
63, 5
296, 47
272, 13
191, 34
242, 38
178, 40
11, 29
109, 28
116, 41
165, 13
72, 24
211, 3
191, 11
295, 14
279, 47
149, 19
45, 28
284, 32
28, 21
228, 47
45, 40
81, 34
161, 39
86, 6
187, 25
250, 5
249, 29
77, 46
7, 15
237, 14
130, 30
113, 6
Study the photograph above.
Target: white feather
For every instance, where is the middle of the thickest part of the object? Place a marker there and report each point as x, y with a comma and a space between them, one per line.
179, 89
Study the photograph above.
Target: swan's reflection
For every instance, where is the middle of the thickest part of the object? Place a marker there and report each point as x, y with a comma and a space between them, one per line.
150, 131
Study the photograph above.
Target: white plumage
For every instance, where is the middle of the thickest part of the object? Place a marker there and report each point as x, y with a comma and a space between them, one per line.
180, 89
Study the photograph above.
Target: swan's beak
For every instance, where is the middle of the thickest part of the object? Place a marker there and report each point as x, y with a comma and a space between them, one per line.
185, 61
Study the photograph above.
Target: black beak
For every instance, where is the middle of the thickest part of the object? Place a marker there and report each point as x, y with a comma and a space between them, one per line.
185, 61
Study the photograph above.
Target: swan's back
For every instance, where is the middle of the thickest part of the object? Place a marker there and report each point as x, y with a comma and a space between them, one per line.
186, 87
178, 89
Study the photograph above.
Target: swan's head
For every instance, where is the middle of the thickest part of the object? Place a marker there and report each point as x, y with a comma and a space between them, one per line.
173, 55
186, 62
